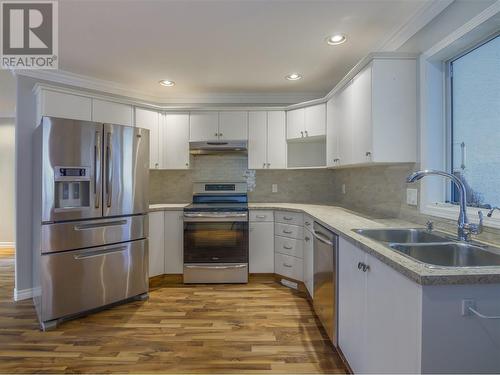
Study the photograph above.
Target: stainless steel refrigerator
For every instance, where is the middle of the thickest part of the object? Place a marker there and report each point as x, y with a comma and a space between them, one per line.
89, 217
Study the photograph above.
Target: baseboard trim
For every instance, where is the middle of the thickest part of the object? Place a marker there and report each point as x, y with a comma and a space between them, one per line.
23, 294
7, 245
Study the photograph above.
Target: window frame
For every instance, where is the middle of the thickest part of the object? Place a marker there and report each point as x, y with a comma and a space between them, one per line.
435, 69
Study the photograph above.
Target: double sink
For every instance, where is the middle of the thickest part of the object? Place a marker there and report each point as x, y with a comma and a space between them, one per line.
434, 248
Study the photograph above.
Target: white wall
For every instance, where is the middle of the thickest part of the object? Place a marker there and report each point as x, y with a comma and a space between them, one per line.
7, 191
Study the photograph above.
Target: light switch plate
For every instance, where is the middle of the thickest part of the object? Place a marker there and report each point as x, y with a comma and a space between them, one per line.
411, 197
274, 188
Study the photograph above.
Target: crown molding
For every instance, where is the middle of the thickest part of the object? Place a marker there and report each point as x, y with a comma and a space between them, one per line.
113, 88
414, 24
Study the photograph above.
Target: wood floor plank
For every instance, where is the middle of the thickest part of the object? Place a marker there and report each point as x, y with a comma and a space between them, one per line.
259, 327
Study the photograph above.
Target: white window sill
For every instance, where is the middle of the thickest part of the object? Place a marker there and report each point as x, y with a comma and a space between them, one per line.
450, 211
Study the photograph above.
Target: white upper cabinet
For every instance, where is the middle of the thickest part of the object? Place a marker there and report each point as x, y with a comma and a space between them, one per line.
148, 119
233, 125
266, 140
203, 126
306, 122
373, 119
276, 140
63, 105
315, 120
175, 141
257, 139
111, 112
295, 123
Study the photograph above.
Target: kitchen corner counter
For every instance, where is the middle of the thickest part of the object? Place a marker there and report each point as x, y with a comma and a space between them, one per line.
167, 207
343, 221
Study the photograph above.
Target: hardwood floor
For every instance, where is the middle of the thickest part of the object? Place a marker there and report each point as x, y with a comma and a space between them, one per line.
261, 327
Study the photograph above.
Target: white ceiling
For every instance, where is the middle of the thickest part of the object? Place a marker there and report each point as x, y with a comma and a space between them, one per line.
225, 46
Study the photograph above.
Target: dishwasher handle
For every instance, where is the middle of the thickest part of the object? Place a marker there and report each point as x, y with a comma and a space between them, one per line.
322, 238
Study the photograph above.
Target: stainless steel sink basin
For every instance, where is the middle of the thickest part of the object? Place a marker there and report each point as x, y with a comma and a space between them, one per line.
453, 254
402, 235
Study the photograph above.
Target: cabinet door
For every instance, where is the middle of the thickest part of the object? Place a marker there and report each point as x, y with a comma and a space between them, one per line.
233, 125
111, 112
352, 288
148, 119
332, 131
257, 140
392, 321
309, 262
276, 140
295, 124
175, 141
315, 120
63, 105
203, 126
343, 103
361, 113
174, 242
156, 244
261, 247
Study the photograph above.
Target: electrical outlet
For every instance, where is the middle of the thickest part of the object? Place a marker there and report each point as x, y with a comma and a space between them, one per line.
343, 188
274, 188
411, 197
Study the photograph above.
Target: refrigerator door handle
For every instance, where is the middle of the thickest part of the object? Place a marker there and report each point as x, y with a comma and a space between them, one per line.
109, 169
97, 169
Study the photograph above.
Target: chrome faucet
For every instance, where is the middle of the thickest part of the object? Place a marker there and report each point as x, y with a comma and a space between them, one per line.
465, 229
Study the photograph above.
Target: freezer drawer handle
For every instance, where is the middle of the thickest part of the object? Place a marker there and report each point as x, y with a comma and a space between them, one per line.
217, 267
99, 253
322, 238
100, 225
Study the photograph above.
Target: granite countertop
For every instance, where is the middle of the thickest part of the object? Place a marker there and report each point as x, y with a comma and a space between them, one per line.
167, 207
343, 221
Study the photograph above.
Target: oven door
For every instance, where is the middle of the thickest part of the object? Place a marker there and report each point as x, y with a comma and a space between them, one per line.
216, 238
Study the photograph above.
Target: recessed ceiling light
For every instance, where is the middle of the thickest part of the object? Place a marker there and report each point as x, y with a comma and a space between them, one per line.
336, 39
166, 82
293, 77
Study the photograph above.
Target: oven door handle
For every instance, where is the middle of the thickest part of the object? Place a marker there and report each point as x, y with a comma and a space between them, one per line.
198, 217
217, 267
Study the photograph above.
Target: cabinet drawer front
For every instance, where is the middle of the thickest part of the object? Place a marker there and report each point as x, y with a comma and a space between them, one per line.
261, 215
291, 231
80, 280
308, 223
289, 246
288, 266
287, 217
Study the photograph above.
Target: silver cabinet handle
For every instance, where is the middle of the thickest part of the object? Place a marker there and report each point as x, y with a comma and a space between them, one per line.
360, 265
307, 223
156, 165
287, 265
287, 231
99, 225
287, 247
268, 165
100, 253
97, 168
307, 135
263, 165
109, 169
302, 134
260, 216
368, 154
220, 134
307, 238
187, 164
287, 218
363, 267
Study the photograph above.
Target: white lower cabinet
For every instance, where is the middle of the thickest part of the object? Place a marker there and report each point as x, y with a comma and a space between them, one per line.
261, 247
379, 314
174, 242
308, 261
156, 244
288, 266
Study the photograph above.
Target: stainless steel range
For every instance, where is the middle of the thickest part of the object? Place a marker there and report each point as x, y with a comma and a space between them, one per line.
216, 234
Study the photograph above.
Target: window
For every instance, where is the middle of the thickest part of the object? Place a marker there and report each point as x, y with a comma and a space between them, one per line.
475, 123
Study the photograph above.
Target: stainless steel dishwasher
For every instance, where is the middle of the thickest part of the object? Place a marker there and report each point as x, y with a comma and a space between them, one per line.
326, 279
